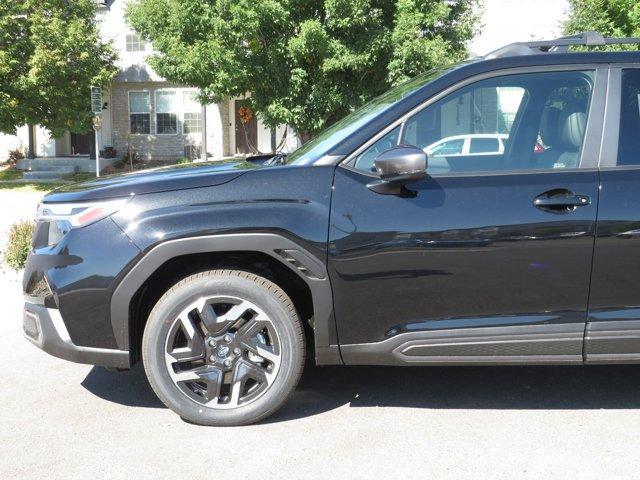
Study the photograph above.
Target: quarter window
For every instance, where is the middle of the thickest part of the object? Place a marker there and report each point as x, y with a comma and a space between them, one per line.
139, 113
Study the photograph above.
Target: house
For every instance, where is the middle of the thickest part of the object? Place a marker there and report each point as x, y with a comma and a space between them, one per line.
158, 120
163, 121
144, 113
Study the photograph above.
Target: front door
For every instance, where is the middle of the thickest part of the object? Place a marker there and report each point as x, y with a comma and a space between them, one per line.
246, 128
82, 143
488, 259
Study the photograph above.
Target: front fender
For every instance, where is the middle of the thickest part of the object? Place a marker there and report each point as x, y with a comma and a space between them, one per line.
312, 271
281, 212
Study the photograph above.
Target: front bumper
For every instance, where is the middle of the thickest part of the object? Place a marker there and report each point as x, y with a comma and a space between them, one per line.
77, 276
45, 328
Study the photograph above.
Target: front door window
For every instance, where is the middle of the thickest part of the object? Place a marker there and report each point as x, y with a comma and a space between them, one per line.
527, 121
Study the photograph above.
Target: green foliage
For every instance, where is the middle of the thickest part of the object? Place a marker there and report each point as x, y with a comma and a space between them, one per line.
306, 63
612, 18
50, 54
19, 244
453, 25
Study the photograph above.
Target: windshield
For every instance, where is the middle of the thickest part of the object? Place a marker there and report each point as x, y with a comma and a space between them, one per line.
320, 145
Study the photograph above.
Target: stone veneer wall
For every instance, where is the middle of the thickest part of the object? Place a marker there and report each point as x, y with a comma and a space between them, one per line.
152, 146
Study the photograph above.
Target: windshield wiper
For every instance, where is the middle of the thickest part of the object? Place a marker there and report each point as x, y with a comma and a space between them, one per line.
278, 159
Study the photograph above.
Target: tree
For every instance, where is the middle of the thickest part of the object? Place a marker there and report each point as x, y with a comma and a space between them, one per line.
305, 63
50, 55
612, 18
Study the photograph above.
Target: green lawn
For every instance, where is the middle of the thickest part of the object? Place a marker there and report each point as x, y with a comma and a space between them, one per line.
8, 177
80, 176
29, 187
10, 174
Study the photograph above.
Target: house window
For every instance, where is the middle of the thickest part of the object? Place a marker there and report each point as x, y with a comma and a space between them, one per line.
192, 113
134, 43
139, 113
166, 112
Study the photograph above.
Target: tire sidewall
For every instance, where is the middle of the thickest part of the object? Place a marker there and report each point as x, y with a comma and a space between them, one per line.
214, 283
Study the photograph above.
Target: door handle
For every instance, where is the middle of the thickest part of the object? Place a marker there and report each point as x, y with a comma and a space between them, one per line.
560, 201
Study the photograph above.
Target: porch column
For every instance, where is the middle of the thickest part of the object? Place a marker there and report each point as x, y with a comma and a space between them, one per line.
31, 129
203, 145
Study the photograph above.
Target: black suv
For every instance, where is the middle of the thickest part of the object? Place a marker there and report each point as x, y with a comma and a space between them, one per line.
518, 242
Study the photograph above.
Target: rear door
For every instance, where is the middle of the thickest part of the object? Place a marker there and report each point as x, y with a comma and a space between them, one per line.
488, 259
613, 328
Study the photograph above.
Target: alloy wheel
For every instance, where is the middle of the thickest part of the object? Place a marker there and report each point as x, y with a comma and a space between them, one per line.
222, 352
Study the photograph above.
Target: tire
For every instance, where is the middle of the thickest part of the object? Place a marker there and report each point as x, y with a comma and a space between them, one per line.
223, 348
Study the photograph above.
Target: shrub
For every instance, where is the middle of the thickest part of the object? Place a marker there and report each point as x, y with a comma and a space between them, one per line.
109, 170
19, 244
14, 156
183, 160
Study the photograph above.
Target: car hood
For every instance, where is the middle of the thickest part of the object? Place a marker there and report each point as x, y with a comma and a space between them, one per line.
175, 177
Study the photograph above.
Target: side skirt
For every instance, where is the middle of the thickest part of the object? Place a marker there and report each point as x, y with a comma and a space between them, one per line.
524, 344
612, 342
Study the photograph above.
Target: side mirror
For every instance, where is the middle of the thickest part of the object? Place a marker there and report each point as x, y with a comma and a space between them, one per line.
402, 164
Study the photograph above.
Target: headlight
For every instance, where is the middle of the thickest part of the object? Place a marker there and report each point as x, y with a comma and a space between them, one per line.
57, 219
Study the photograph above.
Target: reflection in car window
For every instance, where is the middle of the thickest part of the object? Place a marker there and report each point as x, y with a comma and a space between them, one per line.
484, 145
451, 147
365, 160
512, 122
317, 147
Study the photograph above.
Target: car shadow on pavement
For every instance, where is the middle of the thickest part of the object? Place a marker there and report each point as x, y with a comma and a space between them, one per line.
323, 389
130, 387
513, 387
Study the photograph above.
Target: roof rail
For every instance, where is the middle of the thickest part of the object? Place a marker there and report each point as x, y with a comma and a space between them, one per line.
559, 45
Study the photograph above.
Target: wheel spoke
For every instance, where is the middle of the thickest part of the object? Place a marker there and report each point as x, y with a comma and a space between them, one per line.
209, 318
247, 336
195, 342
243, 372
217, 324
191, 375
212, 377
267, 352
235, 312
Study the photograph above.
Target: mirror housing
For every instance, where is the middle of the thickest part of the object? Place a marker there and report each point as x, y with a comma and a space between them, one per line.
402, 164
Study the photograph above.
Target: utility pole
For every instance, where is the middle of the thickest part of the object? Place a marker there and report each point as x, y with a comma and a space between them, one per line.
97, 125
96, 108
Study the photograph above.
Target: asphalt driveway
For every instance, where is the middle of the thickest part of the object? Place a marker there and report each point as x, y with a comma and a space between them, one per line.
62, 420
